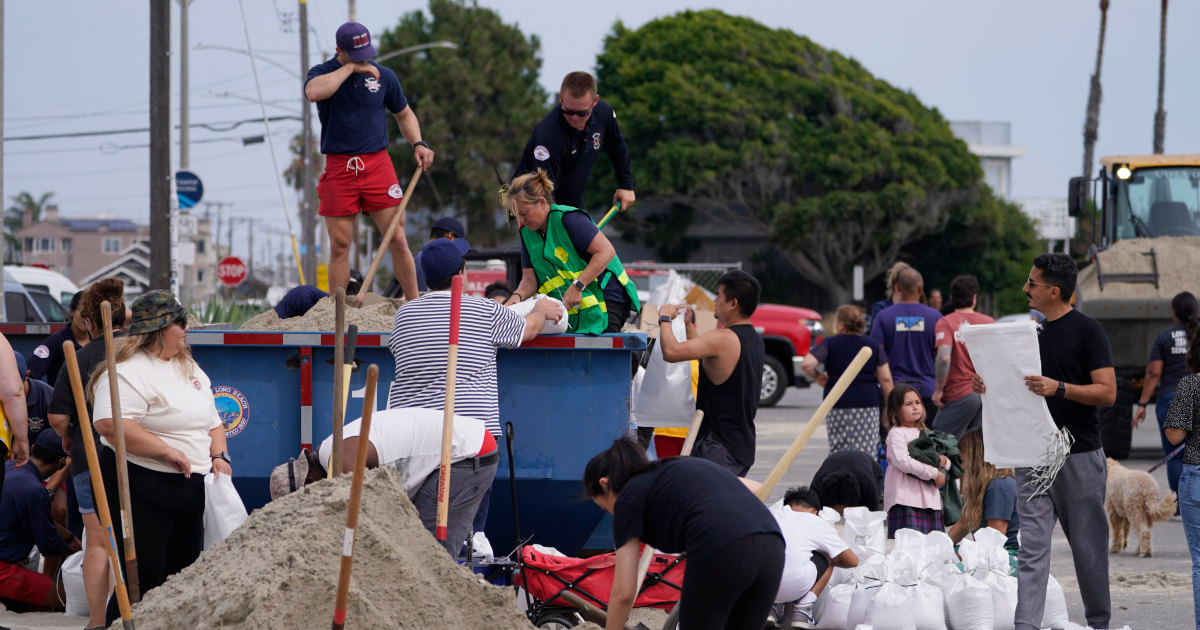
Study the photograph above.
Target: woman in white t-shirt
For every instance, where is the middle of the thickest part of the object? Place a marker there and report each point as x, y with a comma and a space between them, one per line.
173, 437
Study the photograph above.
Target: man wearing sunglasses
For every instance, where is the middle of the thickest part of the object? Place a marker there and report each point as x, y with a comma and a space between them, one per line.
568, 140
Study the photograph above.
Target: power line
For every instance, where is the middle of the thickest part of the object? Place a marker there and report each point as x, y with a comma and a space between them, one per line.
113, 132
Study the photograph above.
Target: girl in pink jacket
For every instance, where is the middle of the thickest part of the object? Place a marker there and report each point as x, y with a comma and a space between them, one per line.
910, 487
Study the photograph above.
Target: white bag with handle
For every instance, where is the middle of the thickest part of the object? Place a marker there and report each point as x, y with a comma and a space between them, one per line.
223, 508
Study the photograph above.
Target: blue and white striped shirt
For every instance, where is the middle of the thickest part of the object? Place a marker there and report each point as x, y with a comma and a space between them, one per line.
419, 343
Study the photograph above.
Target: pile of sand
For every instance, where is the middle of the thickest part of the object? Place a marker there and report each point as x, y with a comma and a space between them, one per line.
1161, 581
376, 315
1178, 258
280, 570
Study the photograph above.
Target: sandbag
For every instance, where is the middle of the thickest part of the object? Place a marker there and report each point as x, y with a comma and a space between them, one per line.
929, 612
525, 307
865, 529
223, 508
886, 606
72, 577
833, 606
1055, 613
969, 604
1004, 601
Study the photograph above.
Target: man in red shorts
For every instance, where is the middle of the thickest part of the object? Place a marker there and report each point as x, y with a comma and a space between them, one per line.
25, 521
352, 93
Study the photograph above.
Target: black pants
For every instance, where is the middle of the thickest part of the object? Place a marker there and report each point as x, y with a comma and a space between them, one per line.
168, 521
734, 587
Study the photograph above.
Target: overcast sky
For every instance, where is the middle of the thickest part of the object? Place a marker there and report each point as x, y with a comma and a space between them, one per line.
83, 66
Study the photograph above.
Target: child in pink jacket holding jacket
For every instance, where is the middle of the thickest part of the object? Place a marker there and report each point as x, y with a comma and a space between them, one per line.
910, 487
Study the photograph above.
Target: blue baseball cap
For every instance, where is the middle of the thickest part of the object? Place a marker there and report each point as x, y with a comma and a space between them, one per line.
50, 441
451, 225
355, 40
441, 258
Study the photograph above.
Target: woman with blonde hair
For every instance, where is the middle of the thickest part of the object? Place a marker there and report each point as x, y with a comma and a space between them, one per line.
989, 497
565, 256
173, 437
853, 423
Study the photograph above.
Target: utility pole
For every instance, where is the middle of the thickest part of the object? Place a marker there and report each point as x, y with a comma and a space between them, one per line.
160, 143
308, 215
352, 7
3, 255
184, 116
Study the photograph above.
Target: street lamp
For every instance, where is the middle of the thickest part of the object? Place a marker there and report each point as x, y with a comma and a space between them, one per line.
411, 49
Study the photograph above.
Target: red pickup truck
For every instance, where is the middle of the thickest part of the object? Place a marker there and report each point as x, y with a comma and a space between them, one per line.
789, 333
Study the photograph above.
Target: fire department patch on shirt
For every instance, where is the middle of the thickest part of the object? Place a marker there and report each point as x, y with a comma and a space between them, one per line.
541, 153
41, 352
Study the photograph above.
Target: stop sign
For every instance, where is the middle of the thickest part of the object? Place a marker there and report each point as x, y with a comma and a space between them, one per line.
231, 270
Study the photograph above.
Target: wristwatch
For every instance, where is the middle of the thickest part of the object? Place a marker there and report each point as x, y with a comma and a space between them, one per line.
1062, 390
225, 456
579, 285
421, 143
664, 319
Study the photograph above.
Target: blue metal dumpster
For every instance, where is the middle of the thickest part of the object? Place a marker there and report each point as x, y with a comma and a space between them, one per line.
567, 397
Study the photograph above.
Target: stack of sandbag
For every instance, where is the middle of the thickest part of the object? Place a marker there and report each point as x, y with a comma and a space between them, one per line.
885, 599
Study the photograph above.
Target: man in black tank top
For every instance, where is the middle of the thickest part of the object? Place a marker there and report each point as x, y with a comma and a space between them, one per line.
731, 366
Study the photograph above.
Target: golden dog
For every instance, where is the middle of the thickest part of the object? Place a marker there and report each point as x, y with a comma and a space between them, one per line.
1131, 500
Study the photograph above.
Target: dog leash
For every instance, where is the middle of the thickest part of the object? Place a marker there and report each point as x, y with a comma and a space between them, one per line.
1164, 460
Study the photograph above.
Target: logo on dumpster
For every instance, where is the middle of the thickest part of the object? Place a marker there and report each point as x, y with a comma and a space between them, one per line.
233, 408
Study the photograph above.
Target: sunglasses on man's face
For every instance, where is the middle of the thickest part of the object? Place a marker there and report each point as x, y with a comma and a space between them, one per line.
578, 113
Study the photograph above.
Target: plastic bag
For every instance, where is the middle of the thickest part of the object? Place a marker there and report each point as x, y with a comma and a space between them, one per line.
969, 604
1055, 613
72, 577
865, 529
886, 606
223, 508
662, 392
525, 307
833, 606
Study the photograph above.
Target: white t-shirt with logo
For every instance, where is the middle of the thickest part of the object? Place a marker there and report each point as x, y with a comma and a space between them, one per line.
410, 439
803, 533
177, 408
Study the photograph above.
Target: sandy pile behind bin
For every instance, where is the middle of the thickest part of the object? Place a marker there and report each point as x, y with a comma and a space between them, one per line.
376, 315
280, 570
1178, 258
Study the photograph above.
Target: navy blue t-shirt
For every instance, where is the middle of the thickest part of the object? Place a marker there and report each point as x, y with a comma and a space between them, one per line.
1170, 346
25, 516
353, 121
47, 359
1000, 502
581, 230
688, 504
837, 352
906, 331
298, 301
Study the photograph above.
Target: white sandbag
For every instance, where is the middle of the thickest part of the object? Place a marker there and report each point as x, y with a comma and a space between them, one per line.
865, 529
969, 604
851, 575
1004, 601
223, 508
929, 612
662, 392
829, 515
72, 577
886, 606
1055, 613
525, 307
832, 614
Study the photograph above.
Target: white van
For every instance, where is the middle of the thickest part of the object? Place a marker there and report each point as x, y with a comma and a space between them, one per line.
52, 282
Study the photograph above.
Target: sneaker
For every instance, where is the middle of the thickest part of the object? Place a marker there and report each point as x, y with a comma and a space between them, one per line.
802, 616
774, 616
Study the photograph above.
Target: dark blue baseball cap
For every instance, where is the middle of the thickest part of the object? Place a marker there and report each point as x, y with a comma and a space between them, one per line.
50, 442
451, 225
355, 40
441, 258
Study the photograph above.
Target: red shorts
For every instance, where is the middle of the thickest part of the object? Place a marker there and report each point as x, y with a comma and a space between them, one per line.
19, 584
358, 183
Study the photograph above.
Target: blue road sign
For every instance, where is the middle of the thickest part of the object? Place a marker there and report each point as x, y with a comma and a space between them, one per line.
188, 189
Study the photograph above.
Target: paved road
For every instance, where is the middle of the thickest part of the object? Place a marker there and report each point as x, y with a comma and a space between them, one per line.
1146, 592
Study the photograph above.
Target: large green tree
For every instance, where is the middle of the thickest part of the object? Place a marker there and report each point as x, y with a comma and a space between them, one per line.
765, 130
477, 102
23, 203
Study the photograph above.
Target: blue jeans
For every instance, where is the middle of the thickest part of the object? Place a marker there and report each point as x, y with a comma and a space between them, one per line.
1189, 508
1175, 464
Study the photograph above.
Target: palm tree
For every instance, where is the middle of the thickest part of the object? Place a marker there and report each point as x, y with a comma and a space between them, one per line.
1160, 116
14, 217
1093, 106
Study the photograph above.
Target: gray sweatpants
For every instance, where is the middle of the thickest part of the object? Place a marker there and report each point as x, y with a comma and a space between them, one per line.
960, 416
467, 487
1076, 498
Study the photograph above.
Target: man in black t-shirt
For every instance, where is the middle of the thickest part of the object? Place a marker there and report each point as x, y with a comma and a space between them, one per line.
1077, 376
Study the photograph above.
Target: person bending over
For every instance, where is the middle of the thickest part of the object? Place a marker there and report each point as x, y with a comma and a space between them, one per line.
813, 550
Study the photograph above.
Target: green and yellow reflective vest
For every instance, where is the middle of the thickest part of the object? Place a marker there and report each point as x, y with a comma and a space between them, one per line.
556, 265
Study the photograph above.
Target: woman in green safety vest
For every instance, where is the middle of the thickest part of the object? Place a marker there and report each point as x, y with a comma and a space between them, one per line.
565, 256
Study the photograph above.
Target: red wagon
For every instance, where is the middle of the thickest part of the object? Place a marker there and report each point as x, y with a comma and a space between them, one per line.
545, 577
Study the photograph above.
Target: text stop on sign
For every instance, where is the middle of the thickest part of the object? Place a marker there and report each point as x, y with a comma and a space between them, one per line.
231, 271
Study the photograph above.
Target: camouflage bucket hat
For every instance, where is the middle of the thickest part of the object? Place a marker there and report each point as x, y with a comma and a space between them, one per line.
154, 310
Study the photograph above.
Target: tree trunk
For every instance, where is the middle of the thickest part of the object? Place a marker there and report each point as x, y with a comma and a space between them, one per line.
1092, 123
1160, 116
